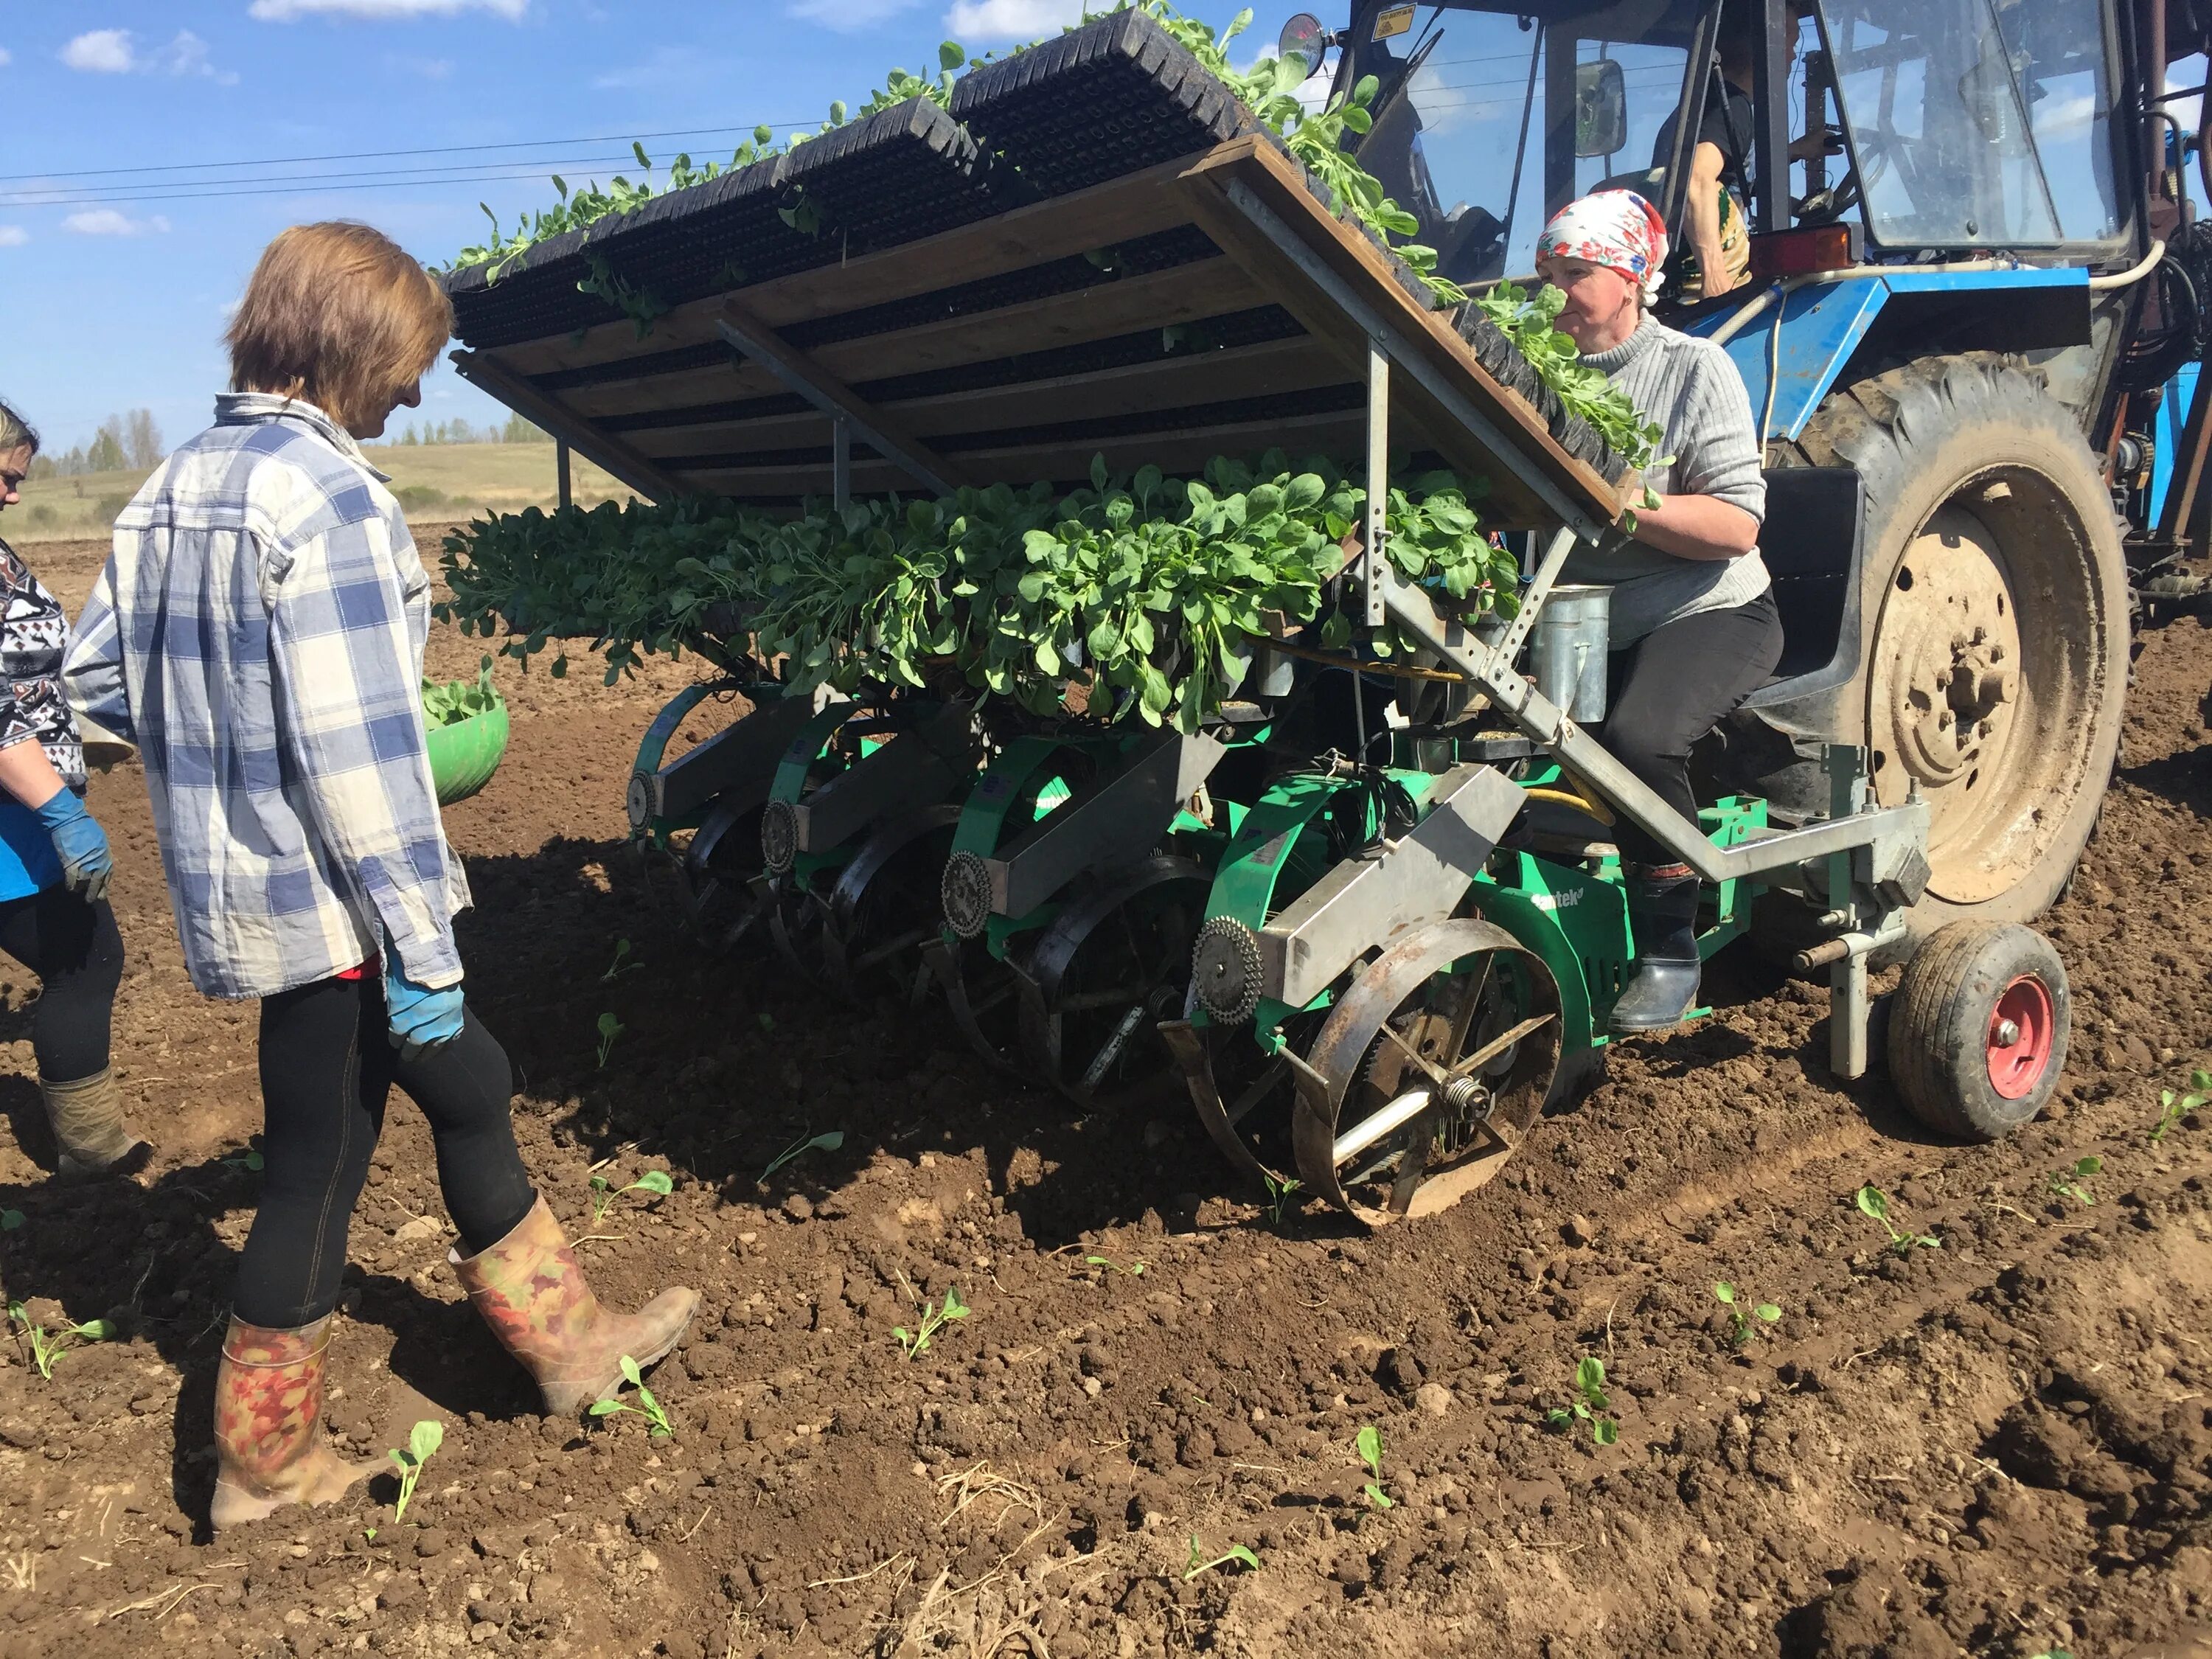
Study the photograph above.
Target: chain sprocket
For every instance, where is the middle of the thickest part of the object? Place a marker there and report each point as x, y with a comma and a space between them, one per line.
1225, 967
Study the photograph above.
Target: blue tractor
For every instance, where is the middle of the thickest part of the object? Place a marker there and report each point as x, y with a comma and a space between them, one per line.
1962, 283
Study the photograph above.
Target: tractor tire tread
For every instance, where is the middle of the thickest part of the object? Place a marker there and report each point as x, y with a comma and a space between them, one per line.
1938, 1019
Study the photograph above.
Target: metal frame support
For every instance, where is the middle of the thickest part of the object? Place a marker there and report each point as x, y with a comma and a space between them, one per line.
1378, 475
609, 453
567, 495
840, 462
1770, 98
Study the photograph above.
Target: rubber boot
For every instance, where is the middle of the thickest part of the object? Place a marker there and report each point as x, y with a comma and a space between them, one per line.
87, 1116
531, 1293
1662, 917
269, 1440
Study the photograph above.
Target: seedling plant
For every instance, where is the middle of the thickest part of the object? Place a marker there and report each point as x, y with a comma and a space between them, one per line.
10, 1220
604, 1192
1591, 1404
934, 1320
459, 700
829, 1141
1134, 1270
1369, 1444
1198, 1564
623, 964
2073, 1183
47, 1350
647, 1407
1873, 1201
1280, 1188
1766, 1312
424, 1438
250, 1160
2172, 1108
609, 1029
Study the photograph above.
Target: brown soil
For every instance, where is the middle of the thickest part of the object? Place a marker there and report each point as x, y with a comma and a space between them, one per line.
2001, 1446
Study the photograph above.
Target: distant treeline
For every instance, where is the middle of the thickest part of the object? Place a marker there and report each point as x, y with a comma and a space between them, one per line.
124, 443
516, 431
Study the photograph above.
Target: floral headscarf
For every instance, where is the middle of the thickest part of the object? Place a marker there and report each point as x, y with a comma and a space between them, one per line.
1616, 229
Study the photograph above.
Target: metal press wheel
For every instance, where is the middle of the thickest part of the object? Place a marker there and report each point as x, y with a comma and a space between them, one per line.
1428, 1071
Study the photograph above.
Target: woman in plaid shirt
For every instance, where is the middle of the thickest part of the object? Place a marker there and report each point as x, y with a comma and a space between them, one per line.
260, 632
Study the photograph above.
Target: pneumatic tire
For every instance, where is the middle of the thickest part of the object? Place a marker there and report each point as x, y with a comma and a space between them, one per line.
1994, 633
1978, 1029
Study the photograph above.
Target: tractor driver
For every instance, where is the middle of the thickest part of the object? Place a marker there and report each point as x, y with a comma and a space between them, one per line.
1694, 627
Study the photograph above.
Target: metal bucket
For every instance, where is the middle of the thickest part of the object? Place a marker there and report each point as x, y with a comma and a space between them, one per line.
1568, 652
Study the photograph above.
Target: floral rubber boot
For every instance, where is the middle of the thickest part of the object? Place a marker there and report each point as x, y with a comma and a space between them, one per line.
269, 1424
532, 1291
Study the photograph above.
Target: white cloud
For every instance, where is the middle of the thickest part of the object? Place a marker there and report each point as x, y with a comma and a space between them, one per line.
102, 51
847, 16
107, 222
13, 236
1009, 19
286, 11
4, 58
113, 52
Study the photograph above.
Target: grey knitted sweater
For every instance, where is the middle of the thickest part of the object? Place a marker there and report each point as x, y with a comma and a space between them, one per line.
1689, 386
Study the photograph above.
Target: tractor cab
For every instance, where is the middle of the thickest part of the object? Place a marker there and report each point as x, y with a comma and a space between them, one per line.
1923, 130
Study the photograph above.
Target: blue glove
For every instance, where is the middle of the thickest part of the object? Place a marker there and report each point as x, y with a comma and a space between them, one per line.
420, 1019
80, 844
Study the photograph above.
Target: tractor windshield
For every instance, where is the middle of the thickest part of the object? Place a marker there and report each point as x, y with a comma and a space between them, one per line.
1976, 122
1487, 120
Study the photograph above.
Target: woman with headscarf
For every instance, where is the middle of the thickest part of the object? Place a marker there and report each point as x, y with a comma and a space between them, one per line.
1695, 628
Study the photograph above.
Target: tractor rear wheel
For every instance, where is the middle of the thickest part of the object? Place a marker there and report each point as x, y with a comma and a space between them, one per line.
1994, 607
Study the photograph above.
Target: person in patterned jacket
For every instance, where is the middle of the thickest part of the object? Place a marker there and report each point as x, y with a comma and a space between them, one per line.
259, 631
55, 863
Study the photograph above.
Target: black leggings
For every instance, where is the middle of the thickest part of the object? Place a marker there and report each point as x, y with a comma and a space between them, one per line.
327, 1063
1672, 687
76, 953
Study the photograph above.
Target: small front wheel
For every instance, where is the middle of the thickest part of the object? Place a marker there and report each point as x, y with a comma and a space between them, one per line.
1977, 1032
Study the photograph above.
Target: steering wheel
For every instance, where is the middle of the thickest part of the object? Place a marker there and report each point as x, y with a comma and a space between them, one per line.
1869, 165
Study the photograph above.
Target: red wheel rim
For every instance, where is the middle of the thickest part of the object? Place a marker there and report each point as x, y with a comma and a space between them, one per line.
2022, 1029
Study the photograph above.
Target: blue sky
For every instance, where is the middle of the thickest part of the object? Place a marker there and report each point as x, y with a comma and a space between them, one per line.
116, 279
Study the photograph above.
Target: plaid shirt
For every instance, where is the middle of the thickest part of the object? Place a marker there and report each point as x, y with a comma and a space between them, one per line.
258, 633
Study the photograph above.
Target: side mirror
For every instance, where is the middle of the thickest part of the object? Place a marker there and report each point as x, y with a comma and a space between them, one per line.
1600, 109
1304, 38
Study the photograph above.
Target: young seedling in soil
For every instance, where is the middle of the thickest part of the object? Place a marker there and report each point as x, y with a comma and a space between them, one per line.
10, 1220
47, 1349
934, 1320
250, 1160
1744, 1329
609, 1029
623, 964
646, 1407
2172, 1108
1369, 1442
1198, 1564
1874, 1201
828, 1142
1134, 1270
1280, 1188
1592, 1407
604, 1193
2073, 1183
423, 1439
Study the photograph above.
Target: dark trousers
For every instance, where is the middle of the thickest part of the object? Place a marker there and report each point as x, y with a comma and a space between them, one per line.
327, 1063
75, 950
1670, 689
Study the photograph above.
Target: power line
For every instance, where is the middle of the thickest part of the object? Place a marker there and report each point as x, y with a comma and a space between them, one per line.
269, 190
188, 190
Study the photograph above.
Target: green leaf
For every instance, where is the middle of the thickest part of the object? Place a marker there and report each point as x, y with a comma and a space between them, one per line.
631, 1372
655, 1180
1726, 1292
1605, 1431
1238, 1552
599, 1408
1768, 1311
1370, 1445
425, 1438
1875, 1202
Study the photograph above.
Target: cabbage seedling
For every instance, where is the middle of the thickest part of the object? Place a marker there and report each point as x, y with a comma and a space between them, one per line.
2074, 1183
423, 1439
1591, 1406
45, 1350
1744, 1329
1198, 1564
934, 1320
621, 965
1369, 1444
1873, 1201
1280, 1188
603, 1194
647, 1406
2172, 1108
1134, 1270
609, 1029
829, 1141
10, 1220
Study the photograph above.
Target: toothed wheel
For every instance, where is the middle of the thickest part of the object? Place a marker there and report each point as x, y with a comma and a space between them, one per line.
779, 836
1225, 967
966, 890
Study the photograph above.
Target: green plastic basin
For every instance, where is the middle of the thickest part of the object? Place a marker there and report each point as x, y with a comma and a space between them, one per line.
465, 755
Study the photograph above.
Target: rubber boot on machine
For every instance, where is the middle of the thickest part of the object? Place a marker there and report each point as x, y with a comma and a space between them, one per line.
86, 1117
531, 1293
1663, 916
270, 1448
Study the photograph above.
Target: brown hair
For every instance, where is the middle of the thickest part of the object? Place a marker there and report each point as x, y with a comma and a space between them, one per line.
15, 431
340, 315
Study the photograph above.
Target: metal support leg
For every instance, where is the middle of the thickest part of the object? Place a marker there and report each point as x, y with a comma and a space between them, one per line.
1849, 1011
840, 462
1378, 477
561, 471
1847, 979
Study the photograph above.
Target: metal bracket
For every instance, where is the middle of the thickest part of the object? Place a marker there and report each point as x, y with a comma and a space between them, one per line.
1375, 557
916, 766
1361, 904
754, 339
744, 753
